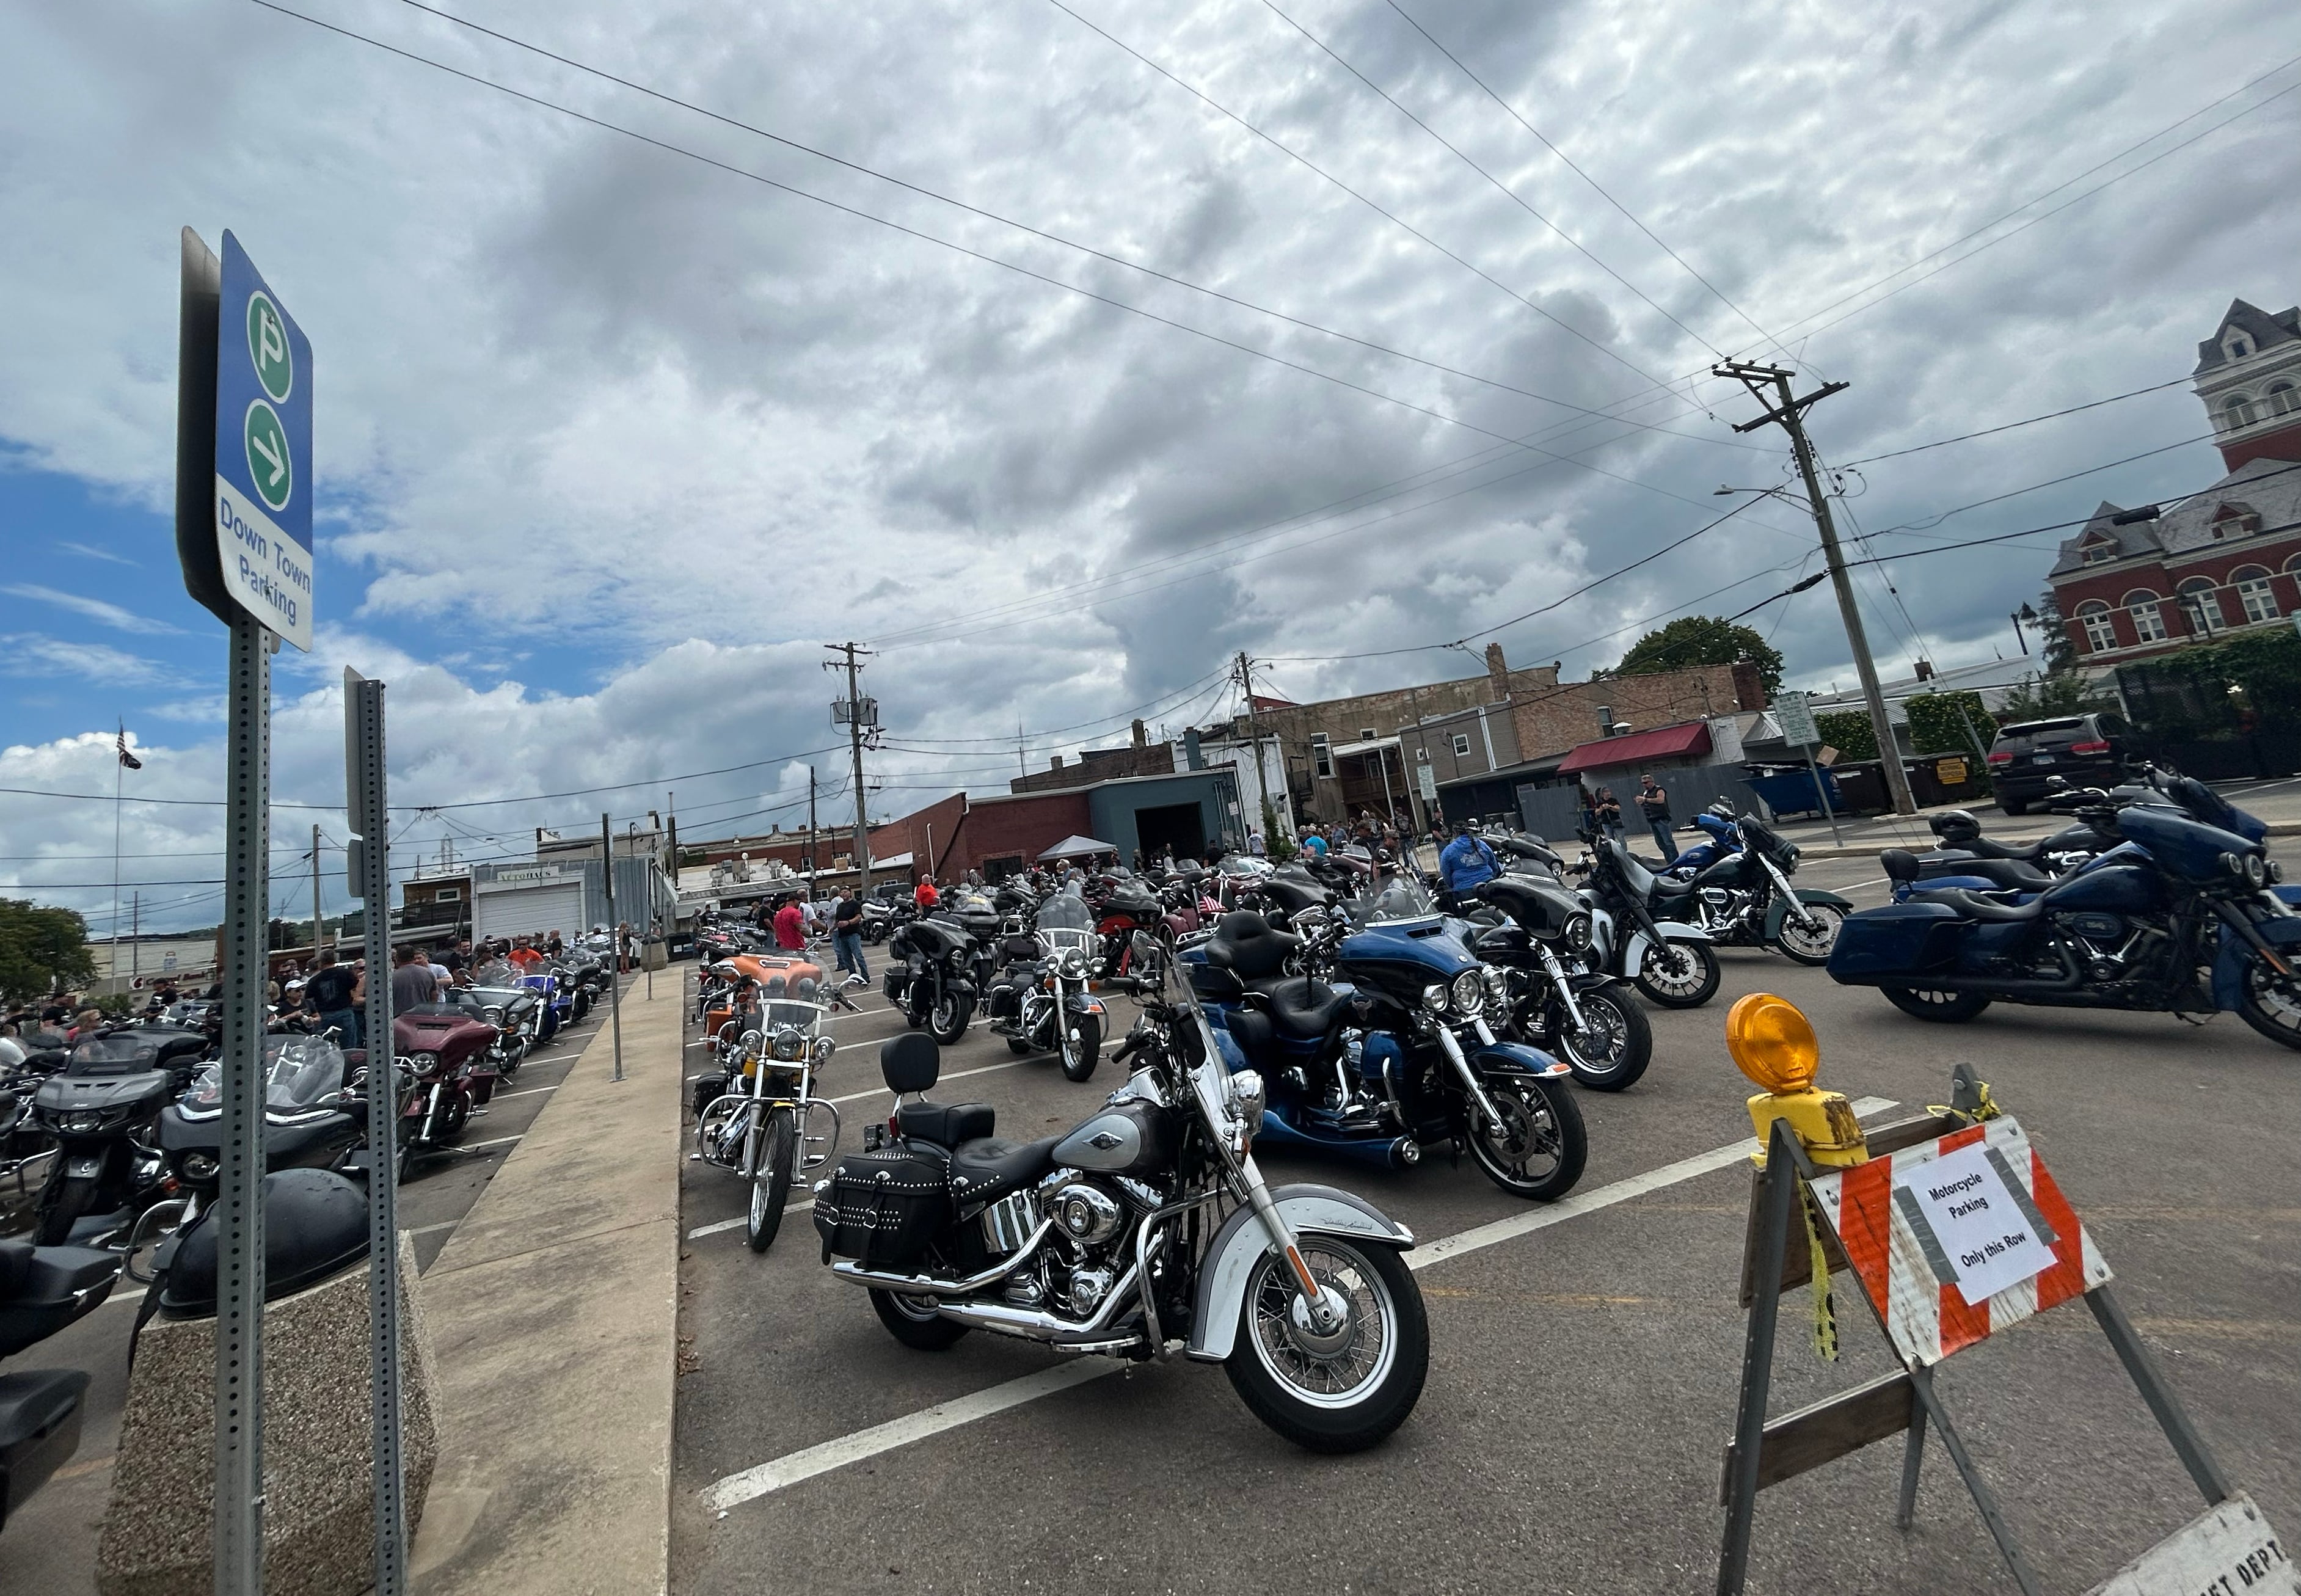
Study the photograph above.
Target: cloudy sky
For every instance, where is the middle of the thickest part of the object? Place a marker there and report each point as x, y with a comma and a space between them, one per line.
618, 424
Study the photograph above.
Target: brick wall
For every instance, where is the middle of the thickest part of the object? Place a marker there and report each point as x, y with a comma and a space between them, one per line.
2112, 587
1565, 717
1026, 826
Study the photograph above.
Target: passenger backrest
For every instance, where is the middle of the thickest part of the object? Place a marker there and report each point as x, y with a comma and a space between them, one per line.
910, 1061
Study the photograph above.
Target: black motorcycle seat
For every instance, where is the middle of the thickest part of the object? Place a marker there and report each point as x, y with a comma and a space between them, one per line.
1253, 1032
987, 1169
1306, 1007
946, 1125
2027, 853
1974, 905
1246, 945
1664, 887
2009, 875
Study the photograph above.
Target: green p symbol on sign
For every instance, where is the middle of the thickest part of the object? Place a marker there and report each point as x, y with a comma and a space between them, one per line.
268, 464
267, 348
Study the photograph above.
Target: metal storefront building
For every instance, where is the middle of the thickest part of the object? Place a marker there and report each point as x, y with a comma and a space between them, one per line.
567, 896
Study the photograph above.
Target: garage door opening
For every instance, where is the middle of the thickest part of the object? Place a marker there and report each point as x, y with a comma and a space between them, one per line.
1171, 828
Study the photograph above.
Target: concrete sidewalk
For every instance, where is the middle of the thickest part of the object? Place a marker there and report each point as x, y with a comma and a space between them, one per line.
554, 1310
2276, 803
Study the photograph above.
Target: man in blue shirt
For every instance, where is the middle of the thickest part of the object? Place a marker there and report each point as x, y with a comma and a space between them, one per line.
1466, 862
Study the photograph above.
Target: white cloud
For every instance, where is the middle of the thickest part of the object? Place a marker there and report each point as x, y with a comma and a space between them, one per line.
86, 552
94, 609
30, 654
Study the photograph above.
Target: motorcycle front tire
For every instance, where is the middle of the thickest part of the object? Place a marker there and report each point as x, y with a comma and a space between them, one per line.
768, 1165
1810, 947
1313, 1420
1680, 994
2278, 1025
1080, 1057
1609, 1010
73, 1199
947, 1020
1518, 1098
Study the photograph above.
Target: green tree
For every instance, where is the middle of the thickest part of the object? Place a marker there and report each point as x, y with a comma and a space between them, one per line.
1702, 640
2060, 654
41, 950
1949, 724
1848, 731
2042, 698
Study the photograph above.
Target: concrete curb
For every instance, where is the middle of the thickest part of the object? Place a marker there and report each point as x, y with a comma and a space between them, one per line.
1811, 855
554, 1310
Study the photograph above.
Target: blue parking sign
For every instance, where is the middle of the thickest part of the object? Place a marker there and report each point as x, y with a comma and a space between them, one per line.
262, 452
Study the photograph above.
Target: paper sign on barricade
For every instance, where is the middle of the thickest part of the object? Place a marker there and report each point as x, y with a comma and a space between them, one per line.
1959, 1237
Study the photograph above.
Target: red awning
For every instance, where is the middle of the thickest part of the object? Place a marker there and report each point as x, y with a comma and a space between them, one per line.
1664, 743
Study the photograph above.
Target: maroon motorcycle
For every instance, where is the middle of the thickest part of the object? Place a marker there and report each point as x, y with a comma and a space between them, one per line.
451, 1052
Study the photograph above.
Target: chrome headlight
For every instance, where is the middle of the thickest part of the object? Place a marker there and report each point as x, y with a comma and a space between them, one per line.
1497, 981
1248, 1098
789, 1046
2233, 864
1433, 997
1074, 962
82, 1123
200, 1166
424, 1061
2256, 871
1789, 855
1469, 993
824, 1046
2276, 871
1576, 933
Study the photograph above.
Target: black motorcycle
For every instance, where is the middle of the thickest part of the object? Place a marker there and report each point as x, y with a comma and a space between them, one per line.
1744, 899
930, 977
100, 1107
1145, 1231
1672, 963
1040, 1000
1552, 995
43, 1290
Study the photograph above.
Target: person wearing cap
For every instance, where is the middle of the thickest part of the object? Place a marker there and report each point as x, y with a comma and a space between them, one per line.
790, 927
1466, 862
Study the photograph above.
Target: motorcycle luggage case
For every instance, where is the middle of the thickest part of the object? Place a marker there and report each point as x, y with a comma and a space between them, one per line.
882, 1208
1896, 939
40, 1429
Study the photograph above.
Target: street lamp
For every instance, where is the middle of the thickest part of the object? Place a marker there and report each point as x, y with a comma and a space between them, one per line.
2024, 613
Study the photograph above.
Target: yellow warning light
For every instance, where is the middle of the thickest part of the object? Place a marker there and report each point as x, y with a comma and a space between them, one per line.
1773, 1043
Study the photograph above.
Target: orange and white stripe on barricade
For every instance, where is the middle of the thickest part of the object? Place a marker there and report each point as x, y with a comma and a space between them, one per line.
1956, 1238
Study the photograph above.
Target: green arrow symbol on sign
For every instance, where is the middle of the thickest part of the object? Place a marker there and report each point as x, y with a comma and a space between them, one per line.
269, 466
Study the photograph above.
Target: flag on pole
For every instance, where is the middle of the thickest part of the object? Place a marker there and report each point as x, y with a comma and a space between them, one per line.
128, 761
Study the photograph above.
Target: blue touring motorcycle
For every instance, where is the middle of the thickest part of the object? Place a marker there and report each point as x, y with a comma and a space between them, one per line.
2181, 916
1369, 1039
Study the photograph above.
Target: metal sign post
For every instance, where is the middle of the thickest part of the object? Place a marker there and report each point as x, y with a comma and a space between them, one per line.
370, 872
244, 539
614, 939
1795, 715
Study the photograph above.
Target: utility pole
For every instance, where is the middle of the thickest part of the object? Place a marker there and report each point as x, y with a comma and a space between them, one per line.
810, 831
857, 712
1422, 759
1790, 413
135, 940
317, 918
1254, 740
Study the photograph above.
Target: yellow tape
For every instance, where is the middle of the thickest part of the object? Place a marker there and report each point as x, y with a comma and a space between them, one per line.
1825, 1307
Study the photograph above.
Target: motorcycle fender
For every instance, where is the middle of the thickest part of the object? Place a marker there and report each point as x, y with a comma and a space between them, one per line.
963, 987
2228, 961
1516, 1058
1778, 911
1080, 1003
1633, 955
1230, 1257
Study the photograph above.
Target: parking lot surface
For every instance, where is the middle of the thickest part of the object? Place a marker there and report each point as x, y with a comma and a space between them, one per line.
1585, 1364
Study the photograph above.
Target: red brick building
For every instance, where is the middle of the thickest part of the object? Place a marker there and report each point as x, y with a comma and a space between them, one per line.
2132, 584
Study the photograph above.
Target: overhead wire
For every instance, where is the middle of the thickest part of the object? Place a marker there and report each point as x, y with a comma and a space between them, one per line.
2031, 420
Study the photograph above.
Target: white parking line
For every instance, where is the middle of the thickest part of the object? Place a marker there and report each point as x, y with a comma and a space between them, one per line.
880, 1091
741, 1219
524, 1091
764, 1479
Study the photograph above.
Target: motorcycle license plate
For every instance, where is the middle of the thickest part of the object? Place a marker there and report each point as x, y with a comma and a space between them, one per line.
85, 1168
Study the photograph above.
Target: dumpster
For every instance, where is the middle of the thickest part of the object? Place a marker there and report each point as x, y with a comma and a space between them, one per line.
1790, 791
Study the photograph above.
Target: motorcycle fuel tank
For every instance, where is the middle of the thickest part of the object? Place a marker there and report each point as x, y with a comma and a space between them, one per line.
2114, 886
1123, 1139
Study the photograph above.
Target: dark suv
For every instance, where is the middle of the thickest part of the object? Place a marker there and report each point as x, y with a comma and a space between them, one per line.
2084, 750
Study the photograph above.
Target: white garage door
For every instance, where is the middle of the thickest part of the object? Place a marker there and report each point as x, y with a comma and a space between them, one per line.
530, 911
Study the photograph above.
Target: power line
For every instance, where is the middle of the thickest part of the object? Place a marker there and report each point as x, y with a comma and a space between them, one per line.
1119, 304
1020, 226
1389, 216
1718, 293
2009, 426
1508, 192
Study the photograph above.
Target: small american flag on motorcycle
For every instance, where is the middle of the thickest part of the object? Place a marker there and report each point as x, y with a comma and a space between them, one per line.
128, 761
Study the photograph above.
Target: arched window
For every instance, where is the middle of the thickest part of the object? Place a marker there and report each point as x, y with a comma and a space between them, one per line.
2237, 411
2100, 631
2252, 585
2148, 619
2293, 563
2201, 606
2284, 398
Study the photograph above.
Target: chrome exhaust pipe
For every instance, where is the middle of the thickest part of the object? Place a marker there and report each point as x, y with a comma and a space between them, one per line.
1034, 1325
927, 1285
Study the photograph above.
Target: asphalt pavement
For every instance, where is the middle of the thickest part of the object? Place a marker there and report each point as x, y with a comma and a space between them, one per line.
1585, 1363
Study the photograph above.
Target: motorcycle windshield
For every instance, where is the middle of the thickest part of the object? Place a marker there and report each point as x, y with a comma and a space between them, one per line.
121, 1053
781, 1014
1067, 912
299, 1071
1403, 898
